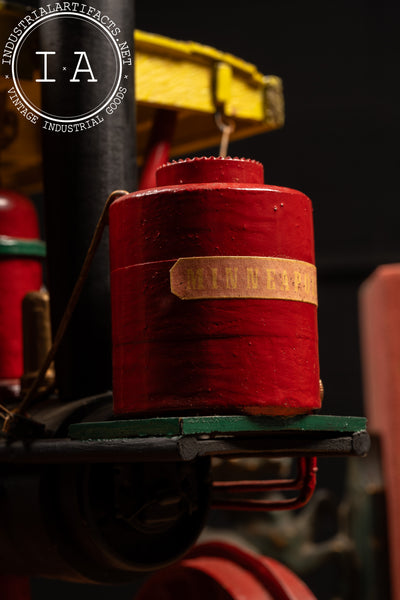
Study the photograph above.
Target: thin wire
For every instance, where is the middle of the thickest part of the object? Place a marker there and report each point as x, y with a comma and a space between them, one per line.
30, 395
226, 128
5, 410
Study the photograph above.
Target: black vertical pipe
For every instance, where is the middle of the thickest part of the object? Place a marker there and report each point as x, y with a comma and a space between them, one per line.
80, 170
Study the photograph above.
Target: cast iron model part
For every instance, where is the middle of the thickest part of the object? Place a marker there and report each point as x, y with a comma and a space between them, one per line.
105, 520
158, 147
379, 327
37, 340
304, 482
100, 523
13, 420
20, 273
225, 572
96, 555
81, 169
228, 436
214, 303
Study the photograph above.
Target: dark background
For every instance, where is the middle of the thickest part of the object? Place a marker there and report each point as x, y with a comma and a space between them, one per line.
339, 64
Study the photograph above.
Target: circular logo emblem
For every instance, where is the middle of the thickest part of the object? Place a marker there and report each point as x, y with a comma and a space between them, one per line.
68, 65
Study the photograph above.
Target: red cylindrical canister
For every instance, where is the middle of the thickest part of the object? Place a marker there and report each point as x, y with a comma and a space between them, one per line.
20, 272
214, 303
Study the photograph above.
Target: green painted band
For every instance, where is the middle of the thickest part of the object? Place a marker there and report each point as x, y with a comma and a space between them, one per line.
228, 424
10, 246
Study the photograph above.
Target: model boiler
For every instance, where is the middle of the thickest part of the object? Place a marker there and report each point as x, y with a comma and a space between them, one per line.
214, 301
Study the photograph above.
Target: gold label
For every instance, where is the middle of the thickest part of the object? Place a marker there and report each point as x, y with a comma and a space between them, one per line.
269, 278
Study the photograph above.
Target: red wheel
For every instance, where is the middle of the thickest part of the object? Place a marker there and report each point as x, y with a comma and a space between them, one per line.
14, 588
220, 571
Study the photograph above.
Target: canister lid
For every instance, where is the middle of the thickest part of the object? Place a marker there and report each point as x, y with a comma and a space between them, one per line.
210, 170
17, 216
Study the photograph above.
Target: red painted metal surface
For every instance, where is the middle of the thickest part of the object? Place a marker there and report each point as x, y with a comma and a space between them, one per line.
159, 146
380, 337
221, 571
18, 275
305, 483
17, 216
14, 588
214, 355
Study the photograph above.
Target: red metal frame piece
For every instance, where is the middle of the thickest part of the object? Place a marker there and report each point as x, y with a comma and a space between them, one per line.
305, 482
19, 274
159, 146
380, 337
14, 588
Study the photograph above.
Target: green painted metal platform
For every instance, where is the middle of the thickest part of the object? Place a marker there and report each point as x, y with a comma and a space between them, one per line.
217, 425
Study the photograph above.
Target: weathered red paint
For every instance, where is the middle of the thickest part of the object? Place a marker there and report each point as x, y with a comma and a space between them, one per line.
305, 482
212, 356
14, 588
18, 275
158, 149
380, 337
222, 571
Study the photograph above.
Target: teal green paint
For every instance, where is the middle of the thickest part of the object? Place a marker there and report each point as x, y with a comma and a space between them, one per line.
173, 426
307, 423
167, 427
10, 246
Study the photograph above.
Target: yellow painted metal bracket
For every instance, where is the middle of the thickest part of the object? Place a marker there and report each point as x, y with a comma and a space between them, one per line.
197, 81
194, 80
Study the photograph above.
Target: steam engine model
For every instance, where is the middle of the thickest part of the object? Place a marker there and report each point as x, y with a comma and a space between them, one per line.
211, 317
